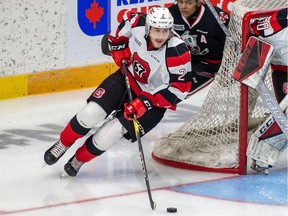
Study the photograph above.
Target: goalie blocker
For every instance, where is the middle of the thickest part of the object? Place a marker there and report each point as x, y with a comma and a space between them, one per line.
268, 141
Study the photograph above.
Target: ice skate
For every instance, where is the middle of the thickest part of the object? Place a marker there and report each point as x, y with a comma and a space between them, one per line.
258, 168
55, 152
73, 166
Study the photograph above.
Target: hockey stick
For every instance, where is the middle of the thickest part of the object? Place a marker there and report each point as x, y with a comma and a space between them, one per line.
270, 120
104, 44
250, 70
271, 103
137, 133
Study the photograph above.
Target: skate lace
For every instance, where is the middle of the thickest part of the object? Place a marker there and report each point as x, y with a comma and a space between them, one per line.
59, 149
76, 164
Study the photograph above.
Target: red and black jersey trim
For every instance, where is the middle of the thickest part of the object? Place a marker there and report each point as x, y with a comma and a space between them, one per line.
177, 55
282, 21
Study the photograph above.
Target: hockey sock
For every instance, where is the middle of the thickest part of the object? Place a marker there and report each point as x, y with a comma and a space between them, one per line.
88, 151
72, 132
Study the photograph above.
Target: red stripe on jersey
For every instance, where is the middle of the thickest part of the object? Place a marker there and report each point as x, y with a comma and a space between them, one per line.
129, 15
135, 22
274, 23
211, 61
280, 68
163, 102
175, 61
182, 86
150, 97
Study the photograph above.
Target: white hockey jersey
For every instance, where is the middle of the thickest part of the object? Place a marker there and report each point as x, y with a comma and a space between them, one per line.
162, 75
273, 29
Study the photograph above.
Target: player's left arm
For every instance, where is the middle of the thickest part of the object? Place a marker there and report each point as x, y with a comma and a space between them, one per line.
268, 26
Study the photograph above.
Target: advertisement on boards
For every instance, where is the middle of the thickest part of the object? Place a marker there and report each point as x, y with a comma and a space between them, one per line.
89, 20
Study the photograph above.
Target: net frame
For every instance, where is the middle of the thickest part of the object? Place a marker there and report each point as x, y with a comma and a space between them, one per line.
195, 137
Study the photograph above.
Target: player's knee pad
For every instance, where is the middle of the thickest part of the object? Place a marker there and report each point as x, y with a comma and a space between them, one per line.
110, 133
90, 115
268, 150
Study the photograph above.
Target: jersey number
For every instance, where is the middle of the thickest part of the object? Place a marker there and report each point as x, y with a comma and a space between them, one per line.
183, 73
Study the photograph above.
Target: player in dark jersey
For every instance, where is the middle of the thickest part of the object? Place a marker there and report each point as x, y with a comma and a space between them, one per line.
196, 25
268, 141
158, 66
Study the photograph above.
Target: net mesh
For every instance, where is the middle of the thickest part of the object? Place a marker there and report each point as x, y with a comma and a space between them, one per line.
211, 137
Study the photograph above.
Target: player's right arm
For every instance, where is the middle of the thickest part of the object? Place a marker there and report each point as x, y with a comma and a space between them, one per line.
119, 41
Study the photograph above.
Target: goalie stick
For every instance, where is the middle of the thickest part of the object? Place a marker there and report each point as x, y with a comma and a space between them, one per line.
250, 70
224, 28
270, 120
137, 133
260, 150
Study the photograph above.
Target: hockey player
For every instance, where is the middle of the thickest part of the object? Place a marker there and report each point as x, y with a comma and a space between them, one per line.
158, 66
196, 25
268, 141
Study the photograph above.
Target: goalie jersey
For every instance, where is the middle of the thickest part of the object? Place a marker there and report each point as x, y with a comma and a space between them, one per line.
162, 75
273, 29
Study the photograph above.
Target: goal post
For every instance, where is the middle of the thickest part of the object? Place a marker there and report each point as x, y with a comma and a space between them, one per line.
215, 138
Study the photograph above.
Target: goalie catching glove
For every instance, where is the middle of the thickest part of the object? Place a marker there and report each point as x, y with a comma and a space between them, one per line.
137, 107
119, 48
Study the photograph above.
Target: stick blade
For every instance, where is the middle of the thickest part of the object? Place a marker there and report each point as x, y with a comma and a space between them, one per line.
253, 62
104, 44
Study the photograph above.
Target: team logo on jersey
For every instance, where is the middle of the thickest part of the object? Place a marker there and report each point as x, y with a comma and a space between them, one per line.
99, 92
223, 17
141, 69
94, 16
191, 40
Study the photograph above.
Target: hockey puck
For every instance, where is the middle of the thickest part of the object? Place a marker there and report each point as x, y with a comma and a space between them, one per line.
172, 210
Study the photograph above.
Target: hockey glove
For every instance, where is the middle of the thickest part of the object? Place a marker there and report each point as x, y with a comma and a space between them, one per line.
137, 107
119, 49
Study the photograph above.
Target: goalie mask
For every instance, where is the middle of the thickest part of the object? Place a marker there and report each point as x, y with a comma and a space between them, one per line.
159, 18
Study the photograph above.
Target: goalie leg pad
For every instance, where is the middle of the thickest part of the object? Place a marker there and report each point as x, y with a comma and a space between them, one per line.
267, 143
266, 152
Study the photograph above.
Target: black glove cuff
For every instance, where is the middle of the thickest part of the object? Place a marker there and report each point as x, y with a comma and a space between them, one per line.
118, 46
147, 103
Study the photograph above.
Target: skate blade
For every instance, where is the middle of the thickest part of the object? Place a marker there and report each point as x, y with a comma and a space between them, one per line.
64, 175
259, 169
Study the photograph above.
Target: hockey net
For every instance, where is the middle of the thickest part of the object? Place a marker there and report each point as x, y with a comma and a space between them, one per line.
215, 138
